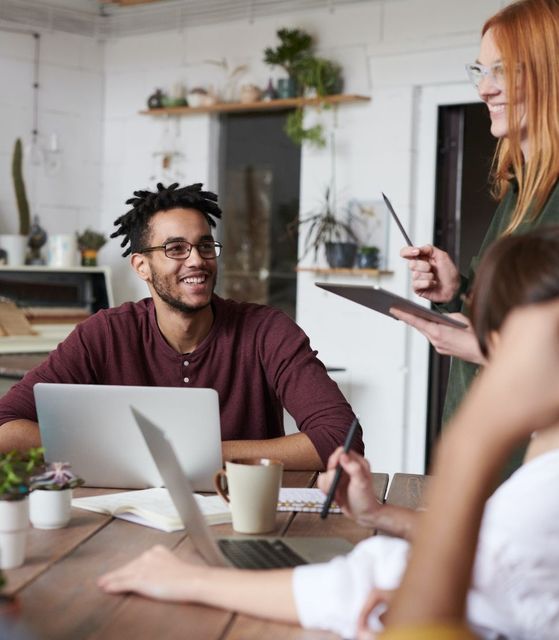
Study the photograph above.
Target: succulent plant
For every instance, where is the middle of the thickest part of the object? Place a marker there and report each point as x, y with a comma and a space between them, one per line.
55, 476
90, 239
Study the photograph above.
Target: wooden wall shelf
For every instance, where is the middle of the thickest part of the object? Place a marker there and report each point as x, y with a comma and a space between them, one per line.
375, 273
261, 105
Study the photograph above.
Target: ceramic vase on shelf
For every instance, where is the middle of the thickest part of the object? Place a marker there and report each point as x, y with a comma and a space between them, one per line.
287, 88
50, 509
14, 525
15, 246
155, 101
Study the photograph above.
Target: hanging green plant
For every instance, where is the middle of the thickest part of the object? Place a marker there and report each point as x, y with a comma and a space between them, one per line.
296, 131
320, 75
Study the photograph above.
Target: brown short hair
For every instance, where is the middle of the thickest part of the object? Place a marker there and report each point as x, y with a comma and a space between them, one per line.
515, 271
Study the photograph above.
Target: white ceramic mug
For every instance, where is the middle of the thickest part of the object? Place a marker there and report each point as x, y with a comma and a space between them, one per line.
251, 487
62, 250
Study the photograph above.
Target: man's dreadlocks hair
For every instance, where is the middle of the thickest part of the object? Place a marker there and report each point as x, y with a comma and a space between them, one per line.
133, 225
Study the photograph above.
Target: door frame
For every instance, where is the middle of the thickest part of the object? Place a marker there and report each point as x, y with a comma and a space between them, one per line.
428, 99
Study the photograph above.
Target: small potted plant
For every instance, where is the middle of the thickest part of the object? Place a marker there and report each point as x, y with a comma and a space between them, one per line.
89, 243
15, 244
367, 257
50, 504
326, 229
295, 45
16, 468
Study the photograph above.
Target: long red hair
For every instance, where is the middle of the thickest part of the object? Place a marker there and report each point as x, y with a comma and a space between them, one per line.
527, 35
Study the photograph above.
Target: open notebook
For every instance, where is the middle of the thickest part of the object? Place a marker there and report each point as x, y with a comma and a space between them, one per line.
153, 508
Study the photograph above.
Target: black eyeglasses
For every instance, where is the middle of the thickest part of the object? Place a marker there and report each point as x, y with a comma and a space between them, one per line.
180, 249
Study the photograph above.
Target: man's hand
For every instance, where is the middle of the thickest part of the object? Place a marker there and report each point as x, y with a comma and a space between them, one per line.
434, 275
355, 493
446, 340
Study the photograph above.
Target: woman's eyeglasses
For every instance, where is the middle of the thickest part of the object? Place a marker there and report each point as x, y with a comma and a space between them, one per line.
477, 72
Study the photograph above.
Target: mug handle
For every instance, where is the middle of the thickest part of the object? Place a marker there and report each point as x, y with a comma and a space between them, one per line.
220, 483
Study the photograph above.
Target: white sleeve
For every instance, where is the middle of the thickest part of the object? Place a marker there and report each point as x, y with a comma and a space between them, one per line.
330, 595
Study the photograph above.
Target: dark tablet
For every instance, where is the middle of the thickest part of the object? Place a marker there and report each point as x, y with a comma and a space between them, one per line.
382, 300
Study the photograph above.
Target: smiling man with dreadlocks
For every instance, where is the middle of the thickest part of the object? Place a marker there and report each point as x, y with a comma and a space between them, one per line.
184, 335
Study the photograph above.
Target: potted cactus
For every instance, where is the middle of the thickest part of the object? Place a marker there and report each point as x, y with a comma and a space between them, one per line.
15, 245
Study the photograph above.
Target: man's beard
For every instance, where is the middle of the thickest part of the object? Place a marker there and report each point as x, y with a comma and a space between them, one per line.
176, 303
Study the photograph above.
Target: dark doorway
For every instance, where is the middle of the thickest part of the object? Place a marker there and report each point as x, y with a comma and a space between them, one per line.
463, 210
259, 187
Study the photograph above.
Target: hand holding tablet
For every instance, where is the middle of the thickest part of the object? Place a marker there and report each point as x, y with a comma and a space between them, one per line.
382, 301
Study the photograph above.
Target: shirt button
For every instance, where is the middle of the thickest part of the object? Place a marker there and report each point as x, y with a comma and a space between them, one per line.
187, 379
186, 363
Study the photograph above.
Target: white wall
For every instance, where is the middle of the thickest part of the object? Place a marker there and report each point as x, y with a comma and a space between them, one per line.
398, 52
71, 93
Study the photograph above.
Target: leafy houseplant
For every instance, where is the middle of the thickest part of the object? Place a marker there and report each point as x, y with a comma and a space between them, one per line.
16, 468
320, 75
89, 243
326, 229
295, 45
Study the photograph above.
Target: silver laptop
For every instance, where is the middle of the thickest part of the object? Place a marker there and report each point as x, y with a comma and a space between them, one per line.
91, 427
251, 553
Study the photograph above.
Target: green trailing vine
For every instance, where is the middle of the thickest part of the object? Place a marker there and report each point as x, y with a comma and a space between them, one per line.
298, 134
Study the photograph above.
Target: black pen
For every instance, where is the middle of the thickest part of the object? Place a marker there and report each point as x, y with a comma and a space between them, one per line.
338, 474
406, 238
397, 221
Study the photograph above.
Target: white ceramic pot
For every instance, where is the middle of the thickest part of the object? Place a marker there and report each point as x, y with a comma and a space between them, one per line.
50, 509
14, 524
15, 246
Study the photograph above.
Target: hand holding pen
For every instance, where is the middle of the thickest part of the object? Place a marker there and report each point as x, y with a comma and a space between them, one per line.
338, 472
434, 275
355, 492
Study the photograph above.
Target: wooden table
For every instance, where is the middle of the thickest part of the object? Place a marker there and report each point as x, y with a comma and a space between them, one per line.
56, 596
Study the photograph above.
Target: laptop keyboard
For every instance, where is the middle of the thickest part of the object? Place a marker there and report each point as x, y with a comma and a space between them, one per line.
260, 553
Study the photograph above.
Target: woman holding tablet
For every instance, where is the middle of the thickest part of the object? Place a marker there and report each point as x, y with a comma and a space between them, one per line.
516, 76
